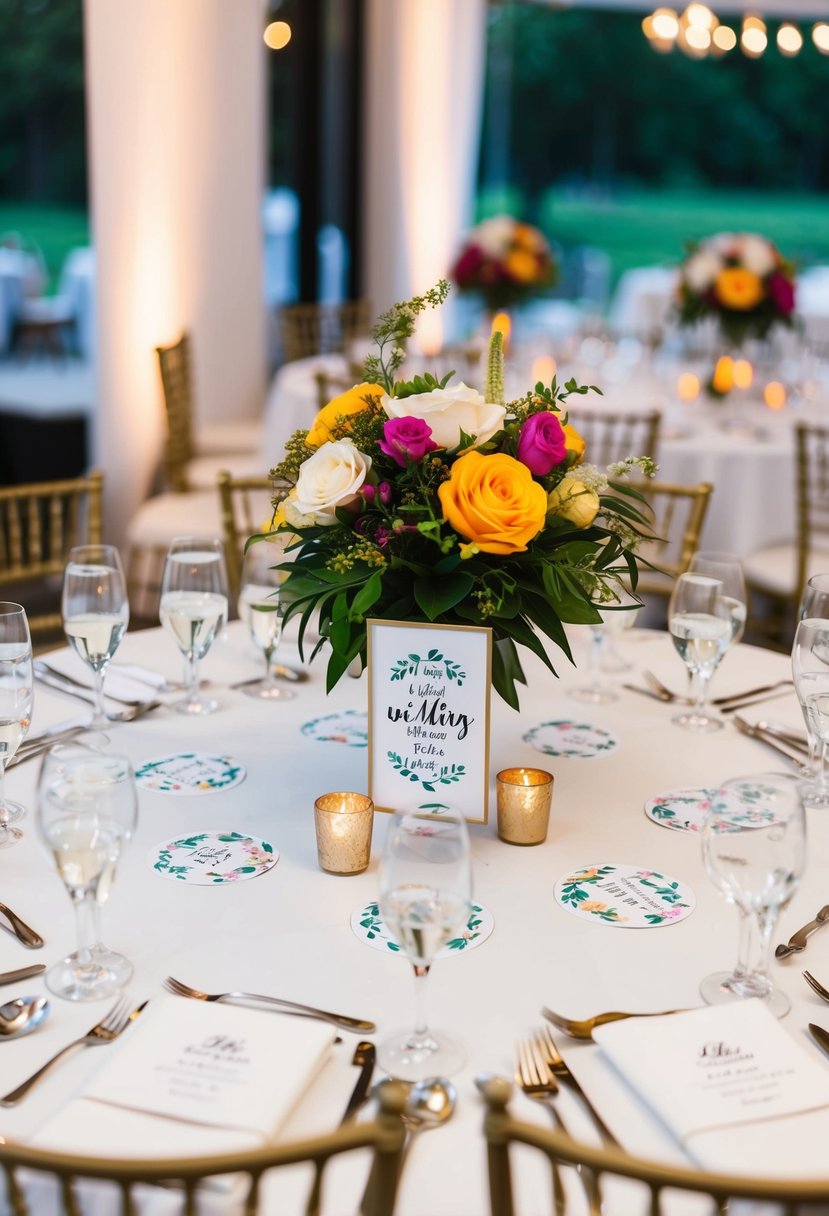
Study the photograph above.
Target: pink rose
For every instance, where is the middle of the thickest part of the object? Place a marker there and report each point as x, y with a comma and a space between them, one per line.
468, 264
781, 290
406, 439
541, 444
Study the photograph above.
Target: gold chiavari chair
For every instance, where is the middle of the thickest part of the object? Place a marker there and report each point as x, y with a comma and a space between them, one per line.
246, 508
777, 574
39, 524
676, 526
662, 1184
320, 329
27, 1169
329, 385
615, 436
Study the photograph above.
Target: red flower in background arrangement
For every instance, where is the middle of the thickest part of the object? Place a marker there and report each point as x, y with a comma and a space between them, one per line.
781, 291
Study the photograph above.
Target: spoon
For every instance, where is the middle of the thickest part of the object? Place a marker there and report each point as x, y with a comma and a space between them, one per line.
22, 1015
430, 1103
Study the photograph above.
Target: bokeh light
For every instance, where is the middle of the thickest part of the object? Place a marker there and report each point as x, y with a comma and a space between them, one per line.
277, 35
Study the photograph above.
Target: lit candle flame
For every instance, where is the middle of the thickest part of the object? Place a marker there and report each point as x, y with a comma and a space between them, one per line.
743, 373
775, 395
543, 369
501, 325
687, 387
723, 378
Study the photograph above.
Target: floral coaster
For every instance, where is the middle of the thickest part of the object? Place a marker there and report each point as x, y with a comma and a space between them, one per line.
350, 727
568, 738
209, 858
189, 773
683, 810
369, 926
625, 895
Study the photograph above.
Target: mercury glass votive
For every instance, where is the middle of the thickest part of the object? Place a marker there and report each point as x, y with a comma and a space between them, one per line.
343, 823
524, 799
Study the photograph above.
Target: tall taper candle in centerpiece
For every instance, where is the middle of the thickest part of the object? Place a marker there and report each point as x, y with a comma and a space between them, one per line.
343, 823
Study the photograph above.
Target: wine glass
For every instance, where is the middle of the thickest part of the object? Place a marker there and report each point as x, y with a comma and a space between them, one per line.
727, 569
16, 694
193, 607
263, 611
814, 602
425, 898
701, 627
95, 612
754, 850
810, 672
87, 807
614, 620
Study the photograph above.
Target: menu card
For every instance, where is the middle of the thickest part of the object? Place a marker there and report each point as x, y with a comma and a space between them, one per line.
730, 1083
193, 1077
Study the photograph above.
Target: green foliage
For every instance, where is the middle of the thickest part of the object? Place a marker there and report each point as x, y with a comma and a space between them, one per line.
392, 332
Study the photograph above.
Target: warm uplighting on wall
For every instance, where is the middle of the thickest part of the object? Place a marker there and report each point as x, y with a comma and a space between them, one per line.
698, 33
277, 35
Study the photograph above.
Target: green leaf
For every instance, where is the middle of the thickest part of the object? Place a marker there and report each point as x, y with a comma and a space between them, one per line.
368, 595
437, 596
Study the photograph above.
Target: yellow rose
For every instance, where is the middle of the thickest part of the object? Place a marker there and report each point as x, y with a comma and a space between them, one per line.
575, 444
494, 502
575, 502
521, 266
352, 402
738, 289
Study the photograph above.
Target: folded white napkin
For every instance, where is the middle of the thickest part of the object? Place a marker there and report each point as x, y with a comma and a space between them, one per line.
190, 1079
129, 684
737, 1091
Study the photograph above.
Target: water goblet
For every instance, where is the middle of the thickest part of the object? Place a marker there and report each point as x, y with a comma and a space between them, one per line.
263, 611
810, 672
16, 695
425, 898
87, 807
95, 612
728, 570
814, 604
193, 608
701, 628
754, 850
614, 620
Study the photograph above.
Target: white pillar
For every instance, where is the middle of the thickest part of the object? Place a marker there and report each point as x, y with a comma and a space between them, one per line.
175, 116
424, 68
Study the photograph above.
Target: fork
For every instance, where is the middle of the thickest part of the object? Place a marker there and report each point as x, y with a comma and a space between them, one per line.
356, 1025
536, 1080
105, 1031
557, 1066
583, 1028
816, 986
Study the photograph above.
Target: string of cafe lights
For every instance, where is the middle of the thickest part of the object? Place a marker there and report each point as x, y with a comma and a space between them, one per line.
698, 33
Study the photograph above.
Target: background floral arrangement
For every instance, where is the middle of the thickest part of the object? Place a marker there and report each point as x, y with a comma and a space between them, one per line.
742, 280
505, 262
429, 501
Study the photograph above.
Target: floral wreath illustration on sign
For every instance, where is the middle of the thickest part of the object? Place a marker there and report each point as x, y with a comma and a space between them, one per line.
375, 927
259, 856
446, 775
410, 666
574, 894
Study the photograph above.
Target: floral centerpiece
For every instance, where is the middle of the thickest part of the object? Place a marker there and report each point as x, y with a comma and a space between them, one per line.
741, 279
426, 500
505, 262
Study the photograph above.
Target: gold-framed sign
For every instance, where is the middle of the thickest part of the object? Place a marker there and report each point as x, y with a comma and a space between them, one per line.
428, 717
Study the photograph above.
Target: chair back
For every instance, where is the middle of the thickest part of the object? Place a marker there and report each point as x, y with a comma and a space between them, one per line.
246, 507
30, 1172
663, 1187
320, 329
812, 447
176, 381
39, 524
615, 436
330, 385
678, 516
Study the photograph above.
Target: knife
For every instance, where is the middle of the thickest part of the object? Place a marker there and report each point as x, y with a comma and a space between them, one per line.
20, 929
365, 1054
820, 1036
797, 941
23, 973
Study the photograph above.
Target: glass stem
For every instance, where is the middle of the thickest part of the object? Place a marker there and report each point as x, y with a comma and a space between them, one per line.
85, 924
270, 678
99, 717
4, 815
753, 954
421, 1027
192, 679
700, 691
596, 660
820, 765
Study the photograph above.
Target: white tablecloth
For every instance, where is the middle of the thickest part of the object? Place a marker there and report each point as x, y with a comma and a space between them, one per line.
287, 931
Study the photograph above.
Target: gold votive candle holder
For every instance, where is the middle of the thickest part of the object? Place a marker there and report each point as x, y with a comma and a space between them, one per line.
343, 822
524, 799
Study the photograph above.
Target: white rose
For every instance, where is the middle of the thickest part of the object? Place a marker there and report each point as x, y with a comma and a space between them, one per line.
494, 236
448, 411
724, 243
756, 254
701, 270
329, 479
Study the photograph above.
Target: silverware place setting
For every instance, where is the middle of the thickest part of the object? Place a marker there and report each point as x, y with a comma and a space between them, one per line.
582, 1028
355, 1025
798, 940
23, 932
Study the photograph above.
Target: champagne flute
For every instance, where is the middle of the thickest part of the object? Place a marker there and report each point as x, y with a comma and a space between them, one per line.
425, 898
701, 628
194, 607
16, 695
87, 807
810, 672
754, 850
263, 611
95, 612
814, 604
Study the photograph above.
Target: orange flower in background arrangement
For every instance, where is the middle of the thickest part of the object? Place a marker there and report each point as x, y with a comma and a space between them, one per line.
738, 288
521, 265
493, 501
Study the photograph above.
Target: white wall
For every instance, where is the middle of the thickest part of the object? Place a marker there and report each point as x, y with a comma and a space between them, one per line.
175, 114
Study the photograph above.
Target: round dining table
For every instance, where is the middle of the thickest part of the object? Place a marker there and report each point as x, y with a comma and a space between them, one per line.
288, 932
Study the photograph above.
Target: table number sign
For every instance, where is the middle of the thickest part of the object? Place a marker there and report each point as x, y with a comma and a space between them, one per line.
428, 717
